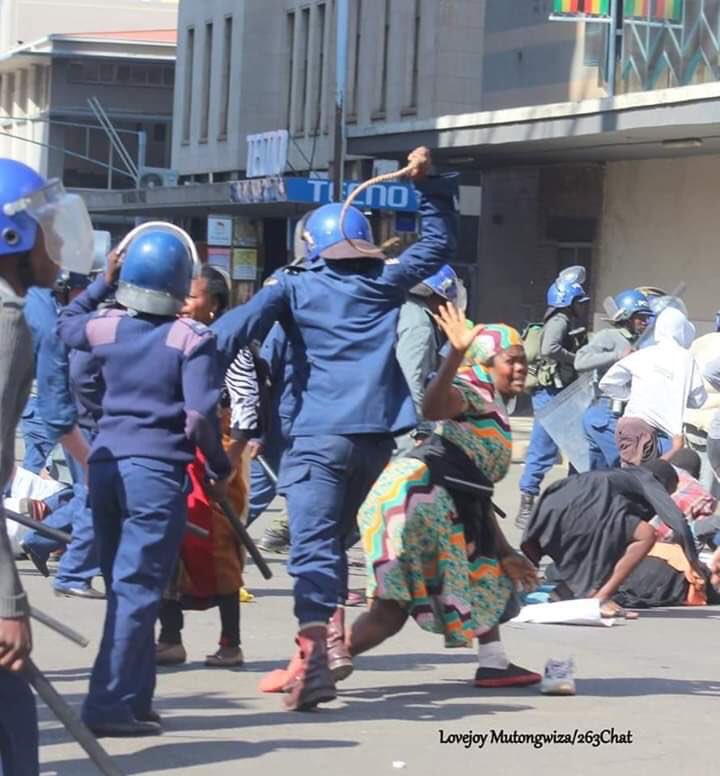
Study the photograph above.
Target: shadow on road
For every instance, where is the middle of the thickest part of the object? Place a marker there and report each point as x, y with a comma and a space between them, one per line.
189, 753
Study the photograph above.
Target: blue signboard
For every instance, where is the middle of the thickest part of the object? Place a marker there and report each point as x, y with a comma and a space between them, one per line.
399, 197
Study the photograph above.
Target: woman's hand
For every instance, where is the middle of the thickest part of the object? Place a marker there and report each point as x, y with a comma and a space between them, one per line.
522, 573
454, 323
112, 269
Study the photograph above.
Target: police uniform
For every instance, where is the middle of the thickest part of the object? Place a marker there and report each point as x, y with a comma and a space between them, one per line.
162, 388
341, 318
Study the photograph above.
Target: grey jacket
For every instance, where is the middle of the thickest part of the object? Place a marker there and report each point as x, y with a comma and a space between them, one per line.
417, 352
16, 374
555, 342
605, 348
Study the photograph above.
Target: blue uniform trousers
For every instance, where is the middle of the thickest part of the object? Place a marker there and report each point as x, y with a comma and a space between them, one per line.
262, 487
599, 423
326, 479
18, 727
79, 563
139, 510
38, 444
542, 451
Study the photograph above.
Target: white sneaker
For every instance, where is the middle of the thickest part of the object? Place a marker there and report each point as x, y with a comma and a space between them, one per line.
559, 678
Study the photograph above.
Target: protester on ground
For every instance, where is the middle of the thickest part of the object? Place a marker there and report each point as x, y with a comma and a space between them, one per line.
162, 387
34, 244
434, 549
210, 570
658, 383
340, 312
629, 318
419, 341
562, 336
595, 527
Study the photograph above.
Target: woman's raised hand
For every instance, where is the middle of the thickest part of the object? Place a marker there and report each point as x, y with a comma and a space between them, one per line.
453, 322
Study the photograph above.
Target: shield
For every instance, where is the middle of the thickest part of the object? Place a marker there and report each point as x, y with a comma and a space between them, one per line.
562, 418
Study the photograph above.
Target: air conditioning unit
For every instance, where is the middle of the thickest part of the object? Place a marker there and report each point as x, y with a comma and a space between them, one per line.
156, 177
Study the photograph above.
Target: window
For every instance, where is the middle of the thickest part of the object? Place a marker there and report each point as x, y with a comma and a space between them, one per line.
123, 74
159, 133
357, 47
107, 72
412, 99
138, 75
291, 64
188, 86
168, 76
9, 84
320, 45
382, 101
226, 73
23, 94
304, 62
39, 96
207, 73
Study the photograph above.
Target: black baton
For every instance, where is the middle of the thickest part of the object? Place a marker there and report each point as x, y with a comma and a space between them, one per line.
58, 627
70, 720
268, 470
45, 530
244, 538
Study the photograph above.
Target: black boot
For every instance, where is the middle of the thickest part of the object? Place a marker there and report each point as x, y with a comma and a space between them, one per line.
526, 507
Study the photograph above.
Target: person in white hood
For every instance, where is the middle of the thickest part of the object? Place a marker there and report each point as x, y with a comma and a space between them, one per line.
657, 382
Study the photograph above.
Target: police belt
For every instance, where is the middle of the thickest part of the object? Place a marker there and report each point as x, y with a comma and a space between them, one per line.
470, 490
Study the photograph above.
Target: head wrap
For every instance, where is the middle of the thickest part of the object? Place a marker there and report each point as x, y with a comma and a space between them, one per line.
492, 339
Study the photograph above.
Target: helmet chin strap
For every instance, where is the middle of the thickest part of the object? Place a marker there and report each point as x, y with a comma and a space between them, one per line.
25, 272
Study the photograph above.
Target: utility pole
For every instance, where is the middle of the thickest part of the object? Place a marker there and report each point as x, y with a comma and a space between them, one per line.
612, 47
341, 37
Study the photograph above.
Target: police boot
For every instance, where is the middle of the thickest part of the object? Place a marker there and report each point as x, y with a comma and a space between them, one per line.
339, 659
526, 507
313, 684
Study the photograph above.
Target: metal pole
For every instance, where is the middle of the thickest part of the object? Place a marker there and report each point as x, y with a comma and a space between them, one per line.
342, 15
612, 46
142, 149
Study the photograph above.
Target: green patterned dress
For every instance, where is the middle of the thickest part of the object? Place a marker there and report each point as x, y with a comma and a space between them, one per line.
413, 539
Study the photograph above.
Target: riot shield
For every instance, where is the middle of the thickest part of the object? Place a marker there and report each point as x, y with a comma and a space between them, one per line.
562, 418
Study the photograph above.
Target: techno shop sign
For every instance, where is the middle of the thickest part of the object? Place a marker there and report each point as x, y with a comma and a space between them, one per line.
399, 197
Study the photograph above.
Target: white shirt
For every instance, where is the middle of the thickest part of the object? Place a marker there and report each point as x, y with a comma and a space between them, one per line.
660, 381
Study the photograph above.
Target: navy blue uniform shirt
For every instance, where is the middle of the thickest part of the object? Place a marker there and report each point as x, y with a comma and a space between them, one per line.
341, 319
162, 382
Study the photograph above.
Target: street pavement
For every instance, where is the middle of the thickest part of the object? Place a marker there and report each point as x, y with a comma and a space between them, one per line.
409, 703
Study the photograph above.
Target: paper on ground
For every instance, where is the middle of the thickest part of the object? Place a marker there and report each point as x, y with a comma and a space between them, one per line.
581, 611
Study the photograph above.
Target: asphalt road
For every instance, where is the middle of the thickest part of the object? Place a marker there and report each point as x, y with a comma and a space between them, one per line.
653, 683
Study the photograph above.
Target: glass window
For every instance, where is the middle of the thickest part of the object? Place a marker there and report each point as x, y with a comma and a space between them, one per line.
107, 72
123, 73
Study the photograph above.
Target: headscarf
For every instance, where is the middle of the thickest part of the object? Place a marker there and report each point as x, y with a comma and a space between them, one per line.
492, 339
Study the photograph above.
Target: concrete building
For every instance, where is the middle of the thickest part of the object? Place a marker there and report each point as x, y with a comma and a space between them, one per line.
45, 118
26, 21
516, 101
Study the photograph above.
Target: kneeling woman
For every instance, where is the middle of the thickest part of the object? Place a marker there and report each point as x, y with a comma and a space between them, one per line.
434, 549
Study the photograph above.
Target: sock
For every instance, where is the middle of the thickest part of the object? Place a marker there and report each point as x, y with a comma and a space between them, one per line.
492, 655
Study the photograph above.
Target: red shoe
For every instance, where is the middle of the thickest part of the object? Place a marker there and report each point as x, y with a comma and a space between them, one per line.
314, 683
276, 680
512, 676
339, 658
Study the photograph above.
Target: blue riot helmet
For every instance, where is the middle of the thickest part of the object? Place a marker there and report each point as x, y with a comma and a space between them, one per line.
324, 237
444, 283
627, 303
567, 288
29, 202
157, 269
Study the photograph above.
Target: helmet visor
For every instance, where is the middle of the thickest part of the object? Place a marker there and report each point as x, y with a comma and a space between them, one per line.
66, 227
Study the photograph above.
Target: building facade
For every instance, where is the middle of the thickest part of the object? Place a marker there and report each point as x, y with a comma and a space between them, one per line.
514, 97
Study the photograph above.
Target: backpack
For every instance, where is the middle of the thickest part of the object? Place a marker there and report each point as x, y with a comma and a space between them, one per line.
532, 338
